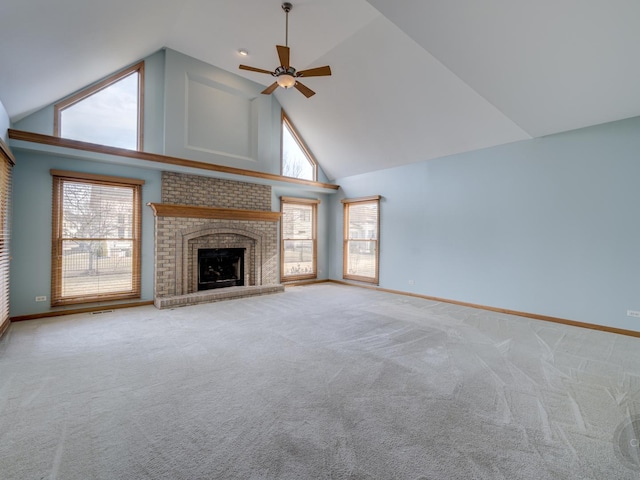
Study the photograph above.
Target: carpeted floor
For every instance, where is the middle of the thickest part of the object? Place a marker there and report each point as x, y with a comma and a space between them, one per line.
323, 381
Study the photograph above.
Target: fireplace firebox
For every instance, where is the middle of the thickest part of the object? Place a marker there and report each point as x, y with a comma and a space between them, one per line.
220, 267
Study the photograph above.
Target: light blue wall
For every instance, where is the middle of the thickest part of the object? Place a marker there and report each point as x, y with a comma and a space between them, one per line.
40, 121
546, 226
164, 107
197, 111
4, 123
31, 228
216, 116
154, 103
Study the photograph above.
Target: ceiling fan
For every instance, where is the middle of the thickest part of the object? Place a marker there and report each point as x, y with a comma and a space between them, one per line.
287, 76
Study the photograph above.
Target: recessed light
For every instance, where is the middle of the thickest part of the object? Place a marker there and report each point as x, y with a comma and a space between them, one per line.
243, 52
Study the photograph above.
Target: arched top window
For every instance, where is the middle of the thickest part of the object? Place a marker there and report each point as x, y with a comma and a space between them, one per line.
107, 113
297, 160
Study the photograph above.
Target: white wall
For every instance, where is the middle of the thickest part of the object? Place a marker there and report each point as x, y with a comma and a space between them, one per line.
546, 226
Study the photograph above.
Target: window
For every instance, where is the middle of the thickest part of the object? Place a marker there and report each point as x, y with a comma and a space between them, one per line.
95, 239
361, 232
298, 238
108, 113
297, 161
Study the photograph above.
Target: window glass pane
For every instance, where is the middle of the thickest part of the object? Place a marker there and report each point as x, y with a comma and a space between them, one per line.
107, 117
97, 211
298, 257
295, 162
297, 221
362, 258
363, 220
96, 267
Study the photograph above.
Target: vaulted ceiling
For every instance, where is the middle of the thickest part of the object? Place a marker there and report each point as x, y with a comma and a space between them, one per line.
412, 79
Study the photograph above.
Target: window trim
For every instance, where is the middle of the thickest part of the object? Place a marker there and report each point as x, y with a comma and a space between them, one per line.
59, 107
59, 177
314, 233
347, 202
314, 163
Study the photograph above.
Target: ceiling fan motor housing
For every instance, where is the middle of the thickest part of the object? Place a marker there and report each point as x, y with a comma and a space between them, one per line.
282, 71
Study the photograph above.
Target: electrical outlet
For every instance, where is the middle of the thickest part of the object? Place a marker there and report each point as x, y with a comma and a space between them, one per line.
411, 282
42, 298
633, 313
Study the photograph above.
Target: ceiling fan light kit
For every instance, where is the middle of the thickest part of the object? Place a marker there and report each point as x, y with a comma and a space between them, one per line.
286, 80
286, 76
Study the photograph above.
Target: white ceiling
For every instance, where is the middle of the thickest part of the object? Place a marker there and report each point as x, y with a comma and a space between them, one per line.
412, 79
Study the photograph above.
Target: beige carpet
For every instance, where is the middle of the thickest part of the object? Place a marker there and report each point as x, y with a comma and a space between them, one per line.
324, 381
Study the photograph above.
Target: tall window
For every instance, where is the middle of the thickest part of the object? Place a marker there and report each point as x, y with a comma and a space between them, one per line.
109, 113
298, 256
297, 161
96, 238
361, 232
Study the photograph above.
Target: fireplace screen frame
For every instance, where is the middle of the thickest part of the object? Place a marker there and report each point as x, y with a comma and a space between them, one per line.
212, 258
219, 235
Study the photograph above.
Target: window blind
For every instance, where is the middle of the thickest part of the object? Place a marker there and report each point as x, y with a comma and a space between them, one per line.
95, 238
298, 257
6, 166
361, 231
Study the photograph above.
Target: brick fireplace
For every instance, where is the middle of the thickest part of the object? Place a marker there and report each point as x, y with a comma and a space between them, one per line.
199, 213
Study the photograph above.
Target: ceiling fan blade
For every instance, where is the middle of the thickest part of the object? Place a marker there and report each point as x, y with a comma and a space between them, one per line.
315, 72
254, 69
283, 55
270, 88
303, 89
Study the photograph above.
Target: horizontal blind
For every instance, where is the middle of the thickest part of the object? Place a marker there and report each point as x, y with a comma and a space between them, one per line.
96, 240
298, 235
361, 251
6, 165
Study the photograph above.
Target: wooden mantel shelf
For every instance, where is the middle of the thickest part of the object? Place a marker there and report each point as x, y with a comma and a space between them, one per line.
191, 211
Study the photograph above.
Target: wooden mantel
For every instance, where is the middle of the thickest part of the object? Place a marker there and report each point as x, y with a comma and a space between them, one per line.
191, 211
